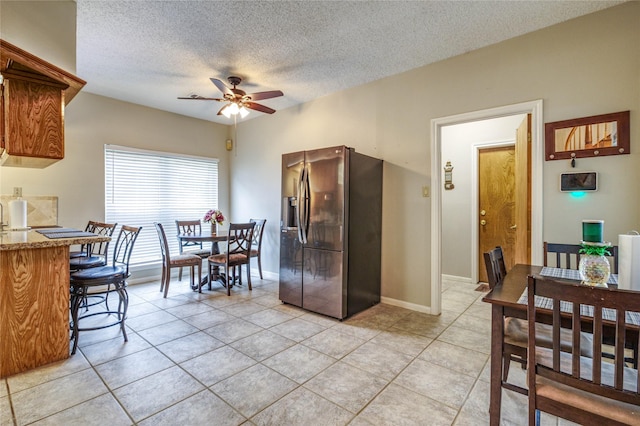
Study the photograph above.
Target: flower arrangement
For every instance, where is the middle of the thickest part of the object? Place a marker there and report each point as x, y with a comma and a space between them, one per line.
214, 216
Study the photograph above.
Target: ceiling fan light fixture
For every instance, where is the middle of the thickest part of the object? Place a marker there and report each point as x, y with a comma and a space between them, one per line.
233, 108
243, 111
226, 111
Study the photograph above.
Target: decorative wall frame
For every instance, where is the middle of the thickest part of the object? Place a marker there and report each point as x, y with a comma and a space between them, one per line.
594, 136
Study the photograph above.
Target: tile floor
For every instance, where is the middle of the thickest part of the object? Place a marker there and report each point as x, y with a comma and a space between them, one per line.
202, 359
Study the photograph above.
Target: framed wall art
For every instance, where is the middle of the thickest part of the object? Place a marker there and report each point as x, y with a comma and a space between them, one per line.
594, 136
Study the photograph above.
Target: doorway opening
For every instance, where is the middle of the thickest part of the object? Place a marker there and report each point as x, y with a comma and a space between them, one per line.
437, 163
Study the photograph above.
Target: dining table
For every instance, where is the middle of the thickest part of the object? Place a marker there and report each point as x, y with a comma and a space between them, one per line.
213, 238
508, 299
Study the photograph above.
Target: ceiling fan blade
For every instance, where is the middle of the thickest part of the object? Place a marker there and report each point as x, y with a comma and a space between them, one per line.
258, 96
221, 86
258, 107
201, 98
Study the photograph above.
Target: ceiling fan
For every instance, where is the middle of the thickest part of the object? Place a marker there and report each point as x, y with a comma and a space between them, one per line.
239, 102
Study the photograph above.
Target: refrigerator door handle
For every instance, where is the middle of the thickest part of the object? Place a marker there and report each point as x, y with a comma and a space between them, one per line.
307, 206
300, 205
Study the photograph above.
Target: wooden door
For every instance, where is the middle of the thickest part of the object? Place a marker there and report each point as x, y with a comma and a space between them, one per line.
523, 192
496, 188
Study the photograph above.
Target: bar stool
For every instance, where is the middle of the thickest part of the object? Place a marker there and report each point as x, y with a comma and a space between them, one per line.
94, 254
104, 280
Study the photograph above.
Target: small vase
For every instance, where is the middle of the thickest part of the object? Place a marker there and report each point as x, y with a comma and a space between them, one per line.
214, 228
594, 270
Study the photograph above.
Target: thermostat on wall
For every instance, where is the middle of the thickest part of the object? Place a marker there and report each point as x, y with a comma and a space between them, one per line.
578, 181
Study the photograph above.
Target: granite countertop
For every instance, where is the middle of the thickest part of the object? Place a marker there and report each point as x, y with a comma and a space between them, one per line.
18, 240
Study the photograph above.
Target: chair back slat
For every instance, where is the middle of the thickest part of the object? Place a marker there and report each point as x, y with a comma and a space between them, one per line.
240, 238
124, 246
103, 230
257, 233
164, 244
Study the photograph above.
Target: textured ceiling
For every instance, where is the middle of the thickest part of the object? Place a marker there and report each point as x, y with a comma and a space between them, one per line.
151, 52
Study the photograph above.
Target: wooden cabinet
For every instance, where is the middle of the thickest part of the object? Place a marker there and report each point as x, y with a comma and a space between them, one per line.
34, 94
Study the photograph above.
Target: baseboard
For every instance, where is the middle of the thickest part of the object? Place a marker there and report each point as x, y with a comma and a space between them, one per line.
145, 275
454, 278
406, 305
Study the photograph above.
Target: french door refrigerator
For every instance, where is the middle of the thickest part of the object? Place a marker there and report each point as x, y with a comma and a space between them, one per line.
330, 239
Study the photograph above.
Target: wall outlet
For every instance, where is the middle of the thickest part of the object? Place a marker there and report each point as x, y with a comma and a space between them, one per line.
17, 191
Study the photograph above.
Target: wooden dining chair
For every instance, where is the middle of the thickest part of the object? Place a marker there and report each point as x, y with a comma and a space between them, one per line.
514, 347
588, 391
256, 245
176, 261
239, 240
567, 256
190, 247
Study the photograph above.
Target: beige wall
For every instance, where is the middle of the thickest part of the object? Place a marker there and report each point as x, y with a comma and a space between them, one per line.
46, 29
587, 66
583, 67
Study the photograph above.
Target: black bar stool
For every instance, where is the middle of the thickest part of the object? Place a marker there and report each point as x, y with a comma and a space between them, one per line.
102, 281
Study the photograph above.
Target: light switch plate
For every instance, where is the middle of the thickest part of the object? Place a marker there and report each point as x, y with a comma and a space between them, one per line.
426, 191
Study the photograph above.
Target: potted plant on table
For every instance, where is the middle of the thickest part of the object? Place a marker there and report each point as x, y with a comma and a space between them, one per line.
215, 218
594, 266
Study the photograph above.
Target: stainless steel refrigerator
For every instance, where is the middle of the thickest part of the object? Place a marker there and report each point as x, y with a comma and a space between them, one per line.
330, 239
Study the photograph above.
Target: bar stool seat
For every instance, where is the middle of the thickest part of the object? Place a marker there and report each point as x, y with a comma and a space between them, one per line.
86, 262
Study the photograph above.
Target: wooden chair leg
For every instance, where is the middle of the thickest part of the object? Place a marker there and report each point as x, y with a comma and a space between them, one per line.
210, 273
162, 277
248, 275
229, 281
166, 284
506, 363
200, 278
259, 267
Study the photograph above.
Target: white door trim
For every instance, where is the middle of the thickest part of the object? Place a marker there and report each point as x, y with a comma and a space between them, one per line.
537, 151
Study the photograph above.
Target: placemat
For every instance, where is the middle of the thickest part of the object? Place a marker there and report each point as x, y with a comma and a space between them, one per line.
570, 274
45, 231
69, 234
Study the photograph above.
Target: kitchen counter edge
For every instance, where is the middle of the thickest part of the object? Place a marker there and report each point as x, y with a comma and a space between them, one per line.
20, 240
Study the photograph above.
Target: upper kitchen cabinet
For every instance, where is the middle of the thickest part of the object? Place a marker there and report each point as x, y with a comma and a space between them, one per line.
34, 94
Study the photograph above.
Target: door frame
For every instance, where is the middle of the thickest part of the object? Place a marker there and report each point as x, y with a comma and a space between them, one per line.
537, 144
475, 200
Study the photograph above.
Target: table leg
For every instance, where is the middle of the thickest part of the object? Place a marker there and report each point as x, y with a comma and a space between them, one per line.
497, 336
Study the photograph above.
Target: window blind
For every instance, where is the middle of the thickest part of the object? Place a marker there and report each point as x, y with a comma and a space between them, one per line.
143, 187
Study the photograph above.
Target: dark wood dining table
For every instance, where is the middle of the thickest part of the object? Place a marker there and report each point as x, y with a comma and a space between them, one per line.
214, 239
505, 302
